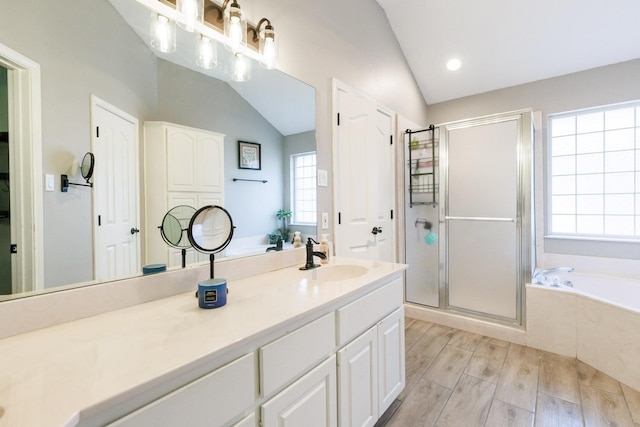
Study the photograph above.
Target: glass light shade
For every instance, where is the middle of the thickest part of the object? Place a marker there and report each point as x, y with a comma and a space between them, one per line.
163, 33
241, 68
191, 12
206, 52
235, 26
268, 46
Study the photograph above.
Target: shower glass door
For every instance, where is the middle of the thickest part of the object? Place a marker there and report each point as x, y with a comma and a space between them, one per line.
484, 202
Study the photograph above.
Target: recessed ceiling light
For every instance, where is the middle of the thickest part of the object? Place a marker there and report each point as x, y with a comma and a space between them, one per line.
454, 64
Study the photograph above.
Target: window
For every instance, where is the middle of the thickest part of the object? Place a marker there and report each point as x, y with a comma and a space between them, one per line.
594, 172
303, 191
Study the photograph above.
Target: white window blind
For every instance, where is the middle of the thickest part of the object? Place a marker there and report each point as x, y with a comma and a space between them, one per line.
303, 193
594, 172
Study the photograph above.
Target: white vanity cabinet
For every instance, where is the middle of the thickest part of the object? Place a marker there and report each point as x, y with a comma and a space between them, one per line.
371, 367
342, 366
182, 166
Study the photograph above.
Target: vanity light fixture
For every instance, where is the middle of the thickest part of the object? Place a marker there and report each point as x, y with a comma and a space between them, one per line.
235, 25
207, 52
163, 33
191, 12
241, 68
267, 43
214, 24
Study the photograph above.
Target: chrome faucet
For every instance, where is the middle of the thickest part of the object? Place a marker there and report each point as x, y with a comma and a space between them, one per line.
539, 276
310, 254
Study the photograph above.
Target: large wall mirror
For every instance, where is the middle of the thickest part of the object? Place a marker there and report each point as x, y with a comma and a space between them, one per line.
86, 48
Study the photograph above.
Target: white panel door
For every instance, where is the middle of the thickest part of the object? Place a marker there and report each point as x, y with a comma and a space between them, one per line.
391, 363
116, 192
364, 179
358, 381
309, 402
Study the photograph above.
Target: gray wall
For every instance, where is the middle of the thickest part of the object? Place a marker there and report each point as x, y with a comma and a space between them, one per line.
192, 99
83, 48
599, 86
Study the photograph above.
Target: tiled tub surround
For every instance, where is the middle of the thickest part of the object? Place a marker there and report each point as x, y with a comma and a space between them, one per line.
69, 372
597, 321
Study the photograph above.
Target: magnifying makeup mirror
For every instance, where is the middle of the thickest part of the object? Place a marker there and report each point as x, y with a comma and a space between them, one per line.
210, 231
86, 168
174, 229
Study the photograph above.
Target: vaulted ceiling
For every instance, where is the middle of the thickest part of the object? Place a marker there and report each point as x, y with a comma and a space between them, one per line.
503, 43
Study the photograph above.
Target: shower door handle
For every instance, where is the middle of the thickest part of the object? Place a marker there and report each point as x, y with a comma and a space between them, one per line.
479, 218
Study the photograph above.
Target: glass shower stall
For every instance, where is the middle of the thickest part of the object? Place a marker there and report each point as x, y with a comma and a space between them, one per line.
469, 243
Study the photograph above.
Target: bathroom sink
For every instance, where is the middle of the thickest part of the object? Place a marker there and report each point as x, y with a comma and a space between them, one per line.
332, 273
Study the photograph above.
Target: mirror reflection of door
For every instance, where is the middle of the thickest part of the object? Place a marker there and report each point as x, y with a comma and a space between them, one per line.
5, 194
116, 192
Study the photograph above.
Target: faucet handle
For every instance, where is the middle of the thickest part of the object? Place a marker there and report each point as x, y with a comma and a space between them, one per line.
310, 240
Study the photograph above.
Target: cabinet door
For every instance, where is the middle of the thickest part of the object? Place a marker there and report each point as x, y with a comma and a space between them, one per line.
248, 421
182, 159
390, 358
212, 400
309, 402
210, 163
358, 381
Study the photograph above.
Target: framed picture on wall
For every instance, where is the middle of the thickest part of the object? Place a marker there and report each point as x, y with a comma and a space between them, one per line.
249, 155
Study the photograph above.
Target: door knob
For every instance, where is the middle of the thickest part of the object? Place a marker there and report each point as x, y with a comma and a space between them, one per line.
134, 230
376, 230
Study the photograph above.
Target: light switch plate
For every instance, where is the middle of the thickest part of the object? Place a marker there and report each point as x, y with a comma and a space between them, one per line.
49, 182
323, 179
325, 220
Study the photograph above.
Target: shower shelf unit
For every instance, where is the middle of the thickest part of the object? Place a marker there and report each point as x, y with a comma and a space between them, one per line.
423, 166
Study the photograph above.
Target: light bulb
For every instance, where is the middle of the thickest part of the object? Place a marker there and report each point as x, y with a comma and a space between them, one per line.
207, 55
268, 48
235, 32
241, 68
163, 34
235, 27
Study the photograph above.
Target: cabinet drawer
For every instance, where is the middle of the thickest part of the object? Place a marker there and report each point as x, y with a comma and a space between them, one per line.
290, 356
360, 315
212, 400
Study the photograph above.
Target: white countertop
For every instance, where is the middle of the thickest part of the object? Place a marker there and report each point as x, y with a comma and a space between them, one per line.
49, 375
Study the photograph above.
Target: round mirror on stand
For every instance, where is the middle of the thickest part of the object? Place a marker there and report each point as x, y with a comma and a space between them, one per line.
210, 231
175, 225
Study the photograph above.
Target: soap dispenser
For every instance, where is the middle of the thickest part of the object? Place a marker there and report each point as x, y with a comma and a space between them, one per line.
297, 240
324, 248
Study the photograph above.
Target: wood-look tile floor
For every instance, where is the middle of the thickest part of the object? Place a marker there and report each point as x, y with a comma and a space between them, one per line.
457, 378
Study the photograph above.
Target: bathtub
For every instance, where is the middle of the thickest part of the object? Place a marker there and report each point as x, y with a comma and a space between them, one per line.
596, 319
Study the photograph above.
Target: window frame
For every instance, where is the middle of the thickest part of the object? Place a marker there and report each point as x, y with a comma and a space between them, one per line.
293, 187
562, 241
